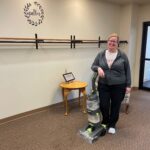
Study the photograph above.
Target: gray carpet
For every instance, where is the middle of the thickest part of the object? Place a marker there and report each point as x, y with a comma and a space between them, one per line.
51, 130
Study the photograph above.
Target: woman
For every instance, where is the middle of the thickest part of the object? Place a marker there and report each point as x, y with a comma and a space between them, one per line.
113, 69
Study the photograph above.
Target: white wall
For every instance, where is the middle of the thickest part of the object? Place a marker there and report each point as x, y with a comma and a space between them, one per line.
131, 26
30, 78
125, 23
128, 31
144, 15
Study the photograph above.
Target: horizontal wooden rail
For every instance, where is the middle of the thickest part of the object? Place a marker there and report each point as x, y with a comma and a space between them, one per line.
72, 41
12, 38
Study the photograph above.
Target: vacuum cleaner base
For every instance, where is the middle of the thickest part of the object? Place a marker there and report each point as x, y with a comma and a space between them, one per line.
91, 136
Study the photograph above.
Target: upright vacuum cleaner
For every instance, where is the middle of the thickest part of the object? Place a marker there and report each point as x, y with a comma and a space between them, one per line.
93, 129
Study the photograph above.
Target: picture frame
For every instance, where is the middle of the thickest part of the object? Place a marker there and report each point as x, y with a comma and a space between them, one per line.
68, 76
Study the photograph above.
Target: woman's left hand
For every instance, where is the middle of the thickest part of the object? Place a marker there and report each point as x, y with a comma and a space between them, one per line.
128, 89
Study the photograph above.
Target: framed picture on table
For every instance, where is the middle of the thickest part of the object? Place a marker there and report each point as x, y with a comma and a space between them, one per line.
68, 76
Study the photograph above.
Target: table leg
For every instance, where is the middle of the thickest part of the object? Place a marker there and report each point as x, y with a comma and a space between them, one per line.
84, 99
79, 96
65, 94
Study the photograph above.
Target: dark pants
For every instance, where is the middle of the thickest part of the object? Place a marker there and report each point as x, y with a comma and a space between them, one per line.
111, 97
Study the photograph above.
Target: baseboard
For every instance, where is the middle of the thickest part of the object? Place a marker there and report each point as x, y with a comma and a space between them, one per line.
135, 88
21, 115
32, 112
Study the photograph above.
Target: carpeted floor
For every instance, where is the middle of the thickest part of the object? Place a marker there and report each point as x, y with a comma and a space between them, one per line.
51, 130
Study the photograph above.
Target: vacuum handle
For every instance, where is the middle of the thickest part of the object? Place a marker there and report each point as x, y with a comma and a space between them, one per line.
95, 75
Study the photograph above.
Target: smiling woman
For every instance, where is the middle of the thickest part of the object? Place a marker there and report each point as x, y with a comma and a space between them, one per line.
113, 68
112, 42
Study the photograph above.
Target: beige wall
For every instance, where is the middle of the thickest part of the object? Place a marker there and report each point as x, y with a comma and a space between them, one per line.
132, 18
128, 31
30, 78
144, 15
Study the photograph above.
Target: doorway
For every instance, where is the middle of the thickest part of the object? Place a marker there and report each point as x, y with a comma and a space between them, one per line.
144, 81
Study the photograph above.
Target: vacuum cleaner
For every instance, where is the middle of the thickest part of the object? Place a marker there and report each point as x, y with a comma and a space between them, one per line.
93, 129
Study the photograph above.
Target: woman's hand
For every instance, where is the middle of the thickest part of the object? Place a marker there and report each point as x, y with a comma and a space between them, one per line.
128, 89
101, 72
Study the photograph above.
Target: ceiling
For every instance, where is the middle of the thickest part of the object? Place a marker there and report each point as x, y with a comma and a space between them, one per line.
123, 2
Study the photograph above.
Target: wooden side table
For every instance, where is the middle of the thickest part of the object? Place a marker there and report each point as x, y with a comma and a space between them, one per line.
67, 87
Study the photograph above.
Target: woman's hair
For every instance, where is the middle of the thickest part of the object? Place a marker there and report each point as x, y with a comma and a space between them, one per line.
114, 35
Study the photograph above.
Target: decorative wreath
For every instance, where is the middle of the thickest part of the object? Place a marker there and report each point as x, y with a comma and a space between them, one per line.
28, 13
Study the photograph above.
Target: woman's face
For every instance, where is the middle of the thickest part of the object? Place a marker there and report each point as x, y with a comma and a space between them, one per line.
112, 43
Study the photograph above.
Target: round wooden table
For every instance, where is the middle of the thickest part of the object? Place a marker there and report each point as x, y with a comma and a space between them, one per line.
67, 87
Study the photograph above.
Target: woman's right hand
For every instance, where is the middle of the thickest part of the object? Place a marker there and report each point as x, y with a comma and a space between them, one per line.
101, 72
